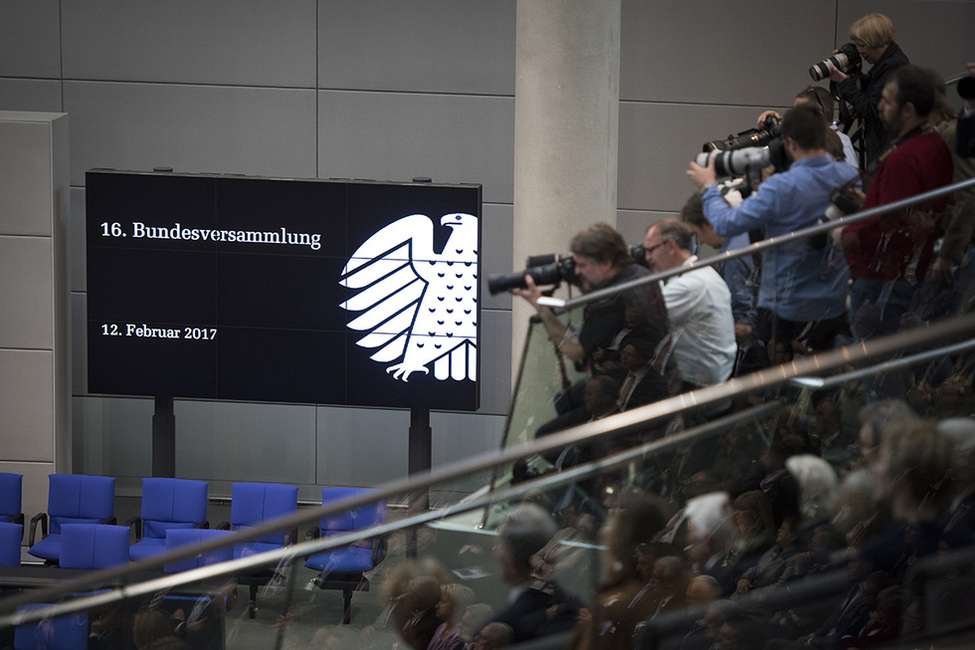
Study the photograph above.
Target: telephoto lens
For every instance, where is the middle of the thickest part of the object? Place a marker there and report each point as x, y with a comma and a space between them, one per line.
845, 60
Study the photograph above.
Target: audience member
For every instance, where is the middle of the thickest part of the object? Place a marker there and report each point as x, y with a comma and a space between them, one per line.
537, 606
454, 599
422, 595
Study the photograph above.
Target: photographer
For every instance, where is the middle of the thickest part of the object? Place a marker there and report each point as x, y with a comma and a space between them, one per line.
873, 36
965, 142
803, 289
819, 98
602, 260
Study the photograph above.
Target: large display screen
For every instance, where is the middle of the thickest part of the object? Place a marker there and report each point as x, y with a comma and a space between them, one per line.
283, 290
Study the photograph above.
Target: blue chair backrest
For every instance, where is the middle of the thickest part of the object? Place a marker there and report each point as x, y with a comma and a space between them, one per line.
254, 503
172, 503
79, 499
11, 489
11, 536
93, 546
357, 519
177, 537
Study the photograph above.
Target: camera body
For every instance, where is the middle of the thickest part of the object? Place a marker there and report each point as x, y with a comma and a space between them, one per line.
543, 269
771, 129
843, 201
846, 60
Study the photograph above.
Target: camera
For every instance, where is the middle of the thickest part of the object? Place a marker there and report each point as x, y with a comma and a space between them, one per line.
746, 162
543, 269
771, 129
843, 200
847, 59
966, 88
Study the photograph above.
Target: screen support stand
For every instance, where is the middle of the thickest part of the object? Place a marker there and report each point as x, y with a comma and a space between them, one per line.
420, 461
163, 438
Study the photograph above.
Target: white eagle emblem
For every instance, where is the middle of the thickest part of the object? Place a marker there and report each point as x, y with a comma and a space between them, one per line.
418, 306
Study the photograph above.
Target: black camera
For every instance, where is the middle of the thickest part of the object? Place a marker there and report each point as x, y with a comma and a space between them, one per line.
847, 59
844, 200
771, 129
966, 88
748, 161
543, 269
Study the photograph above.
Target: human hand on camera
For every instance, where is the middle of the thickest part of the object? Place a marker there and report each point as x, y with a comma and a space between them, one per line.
702, 176
531, 293
765, 115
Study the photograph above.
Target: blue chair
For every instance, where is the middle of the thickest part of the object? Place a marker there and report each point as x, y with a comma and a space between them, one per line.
11, 488
251, 505
72, 499
178, 537
345, 568
10, 538
167, 503
68, 632
94, 546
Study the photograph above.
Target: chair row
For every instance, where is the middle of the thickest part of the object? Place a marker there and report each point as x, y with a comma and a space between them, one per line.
171, 510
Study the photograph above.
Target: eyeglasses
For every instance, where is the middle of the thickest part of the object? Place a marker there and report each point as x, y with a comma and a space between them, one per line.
647, 251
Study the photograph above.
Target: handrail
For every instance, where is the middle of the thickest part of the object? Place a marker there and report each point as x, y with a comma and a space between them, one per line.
617, 424
819, 383
856, 217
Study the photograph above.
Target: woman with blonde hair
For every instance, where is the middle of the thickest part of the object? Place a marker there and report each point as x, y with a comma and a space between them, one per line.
454, 599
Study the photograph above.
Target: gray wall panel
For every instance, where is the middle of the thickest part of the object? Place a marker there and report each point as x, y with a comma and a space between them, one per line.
78, 319
33, 501
494, 351
113, 436
386, 136
29, 44
361, 447
633, 224
657, 143
740, 52
30, 95
27, 293
496, 246
26, 196
237, 42
430, 45
191, 129
230, 441
25, 403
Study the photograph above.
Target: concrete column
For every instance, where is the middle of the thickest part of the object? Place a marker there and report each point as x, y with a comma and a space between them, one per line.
566, 128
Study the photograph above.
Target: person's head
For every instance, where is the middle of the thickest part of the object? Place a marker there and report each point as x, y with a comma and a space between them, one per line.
871, 35
817, 485
422, 592
149, 627
523, 531
473, 619
667, 244
874, 418
907, 99
819, 99
635, 353
600, 394
803, 130
599, 253
667, 576
914, 469
787, 533
701, 590
454, 598
692, 215
492, 636
752, 514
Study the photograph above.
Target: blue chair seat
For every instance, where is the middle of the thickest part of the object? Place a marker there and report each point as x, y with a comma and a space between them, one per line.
167, 504
68, 632
346, 560
94, 546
